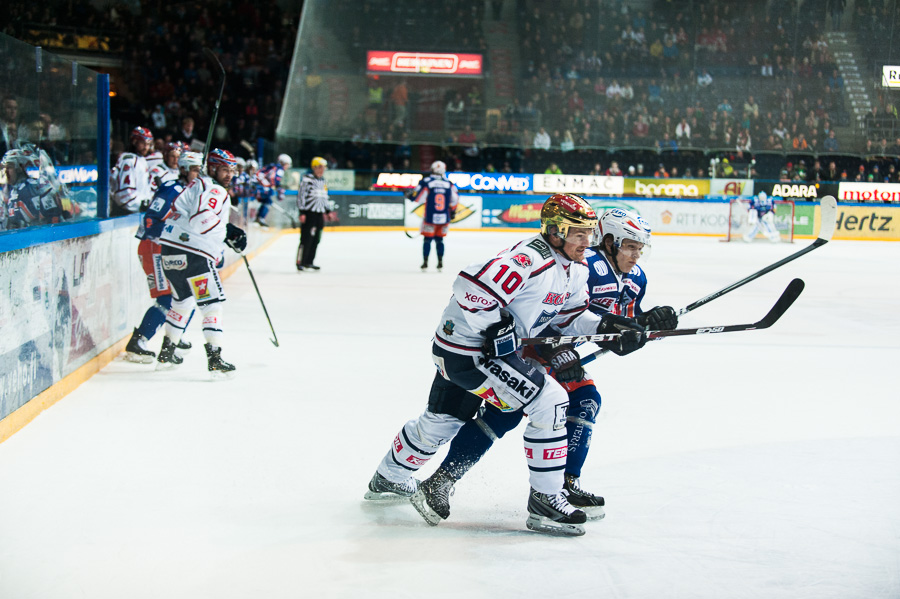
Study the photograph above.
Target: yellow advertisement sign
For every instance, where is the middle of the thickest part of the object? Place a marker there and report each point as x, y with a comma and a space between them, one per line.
667, 188
865, 222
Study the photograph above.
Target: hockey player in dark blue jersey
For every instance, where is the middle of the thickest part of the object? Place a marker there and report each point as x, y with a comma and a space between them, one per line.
616, 287
440, 197
30, 200
761, 216
268, 186
149, 252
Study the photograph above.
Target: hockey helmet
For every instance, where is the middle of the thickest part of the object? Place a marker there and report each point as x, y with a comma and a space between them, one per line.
22, 159
318, 161
190, 159
252, 164
142, 133
219, 157
241, 163
624, 224
563, 211
285, 161
438, 167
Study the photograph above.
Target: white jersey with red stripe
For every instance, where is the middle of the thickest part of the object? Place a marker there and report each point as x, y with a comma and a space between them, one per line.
536, 284
611, 292
197, 222
160, 174
130, 182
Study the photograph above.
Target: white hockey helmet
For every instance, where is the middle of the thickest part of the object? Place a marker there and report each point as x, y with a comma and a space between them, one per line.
241, 163
624, 224
438, 167
285, 161
252, 164
762, 195
190, 159
22, 159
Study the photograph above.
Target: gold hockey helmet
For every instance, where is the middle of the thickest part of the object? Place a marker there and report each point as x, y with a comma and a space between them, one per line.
566, 210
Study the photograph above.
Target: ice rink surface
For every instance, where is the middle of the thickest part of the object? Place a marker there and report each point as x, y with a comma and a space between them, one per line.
745, 465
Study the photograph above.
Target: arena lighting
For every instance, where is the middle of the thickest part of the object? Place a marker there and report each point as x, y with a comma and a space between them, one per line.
423, 63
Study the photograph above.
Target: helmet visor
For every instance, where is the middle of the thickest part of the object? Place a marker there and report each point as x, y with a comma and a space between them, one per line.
589, 236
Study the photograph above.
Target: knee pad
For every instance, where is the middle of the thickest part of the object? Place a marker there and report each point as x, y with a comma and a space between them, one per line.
548, 411
177, 317
451, 399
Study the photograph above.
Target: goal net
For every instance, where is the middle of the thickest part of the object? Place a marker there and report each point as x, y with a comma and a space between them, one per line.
739, 220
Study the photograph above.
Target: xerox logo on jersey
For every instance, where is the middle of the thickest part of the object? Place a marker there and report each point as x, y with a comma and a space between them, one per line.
200, 287
601, 268
477, 299
521, 260
555, 299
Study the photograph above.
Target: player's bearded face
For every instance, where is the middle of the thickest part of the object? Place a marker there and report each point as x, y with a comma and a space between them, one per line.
224, 175
577, 241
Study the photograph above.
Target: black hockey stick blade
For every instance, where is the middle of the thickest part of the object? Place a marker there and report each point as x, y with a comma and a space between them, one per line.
262, 303
211, 57
790, 294
407, 234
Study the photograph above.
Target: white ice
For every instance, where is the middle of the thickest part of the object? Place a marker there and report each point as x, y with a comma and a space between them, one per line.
762, 464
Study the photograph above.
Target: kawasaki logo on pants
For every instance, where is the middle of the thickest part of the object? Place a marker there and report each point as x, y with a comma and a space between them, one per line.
517, 382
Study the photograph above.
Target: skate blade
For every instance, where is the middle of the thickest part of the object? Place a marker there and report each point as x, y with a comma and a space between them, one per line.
593, 512
139, 359
430, 516
218, 375
386, 497
552, 527
166, 366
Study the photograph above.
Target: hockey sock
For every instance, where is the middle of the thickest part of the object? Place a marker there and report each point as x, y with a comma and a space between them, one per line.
262, 212
584, 403
177, 318
155, 316
212, 323
426, 248
476, 437
439, 246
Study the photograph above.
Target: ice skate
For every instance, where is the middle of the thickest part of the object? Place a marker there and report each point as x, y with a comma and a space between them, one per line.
553, 514
183, 347
218, 367
590, 504
432, 500
424, 264
136, 350
381, 489
168, 359
314, 267
440, 264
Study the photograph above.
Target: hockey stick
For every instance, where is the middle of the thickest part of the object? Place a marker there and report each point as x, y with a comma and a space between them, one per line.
790, 294
210, 55
827, 219
259, 295
294, 222
405, 232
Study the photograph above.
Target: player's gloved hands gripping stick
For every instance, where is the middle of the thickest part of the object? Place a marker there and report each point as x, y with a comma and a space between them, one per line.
564, 360
660, 318
632, 339
500, 338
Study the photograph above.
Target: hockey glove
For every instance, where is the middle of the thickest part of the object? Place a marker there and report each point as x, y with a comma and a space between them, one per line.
660, 318
235, 238
565, 362
632, 339
500, 338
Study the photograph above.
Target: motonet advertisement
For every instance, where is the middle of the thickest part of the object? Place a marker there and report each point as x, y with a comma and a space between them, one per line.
667, 188
580, 184
869, 192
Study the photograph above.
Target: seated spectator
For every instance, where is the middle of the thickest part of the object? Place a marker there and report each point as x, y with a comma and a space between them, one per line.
568, 143
597, 171
542, 140
799, 143
704, 80
661, 172
683, 132
666, 143
724, 107
613, 170
553, 169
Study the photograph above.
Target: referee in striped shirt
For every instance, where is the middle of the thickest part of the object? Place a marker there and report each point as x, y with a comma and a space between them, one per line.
313, 201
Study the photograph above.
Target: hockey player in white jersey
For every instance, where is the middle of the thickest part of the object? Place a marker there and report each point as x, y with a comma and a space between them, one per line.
538, 282
761, 216
194, 239
130, 178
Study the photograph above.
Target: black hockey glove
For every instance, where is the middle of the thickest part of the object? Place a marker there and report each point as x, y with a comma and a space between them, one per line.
564, 360
632, 339
235, 238
660, 318
500, 338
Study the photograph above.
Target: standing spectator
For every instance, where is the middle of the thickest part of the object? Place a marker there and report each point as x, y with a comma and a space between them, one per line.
9, 124
186, 134
399, 99
158, 116
455, 112
683, 132
312, 199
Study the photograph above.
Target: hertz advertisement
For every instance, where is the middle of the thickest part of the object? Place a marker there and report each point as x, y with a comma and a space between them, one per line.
866, 222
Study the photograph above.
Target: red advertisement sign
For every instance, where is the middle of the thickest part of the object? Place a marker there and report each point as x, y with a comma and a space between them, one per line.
423, 63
